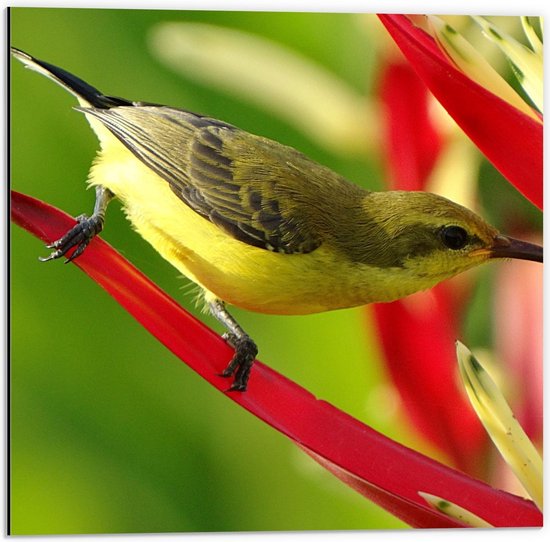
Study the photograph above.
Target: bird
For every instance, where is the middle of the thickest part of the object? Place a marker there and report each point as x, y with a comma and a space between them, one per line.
259, 225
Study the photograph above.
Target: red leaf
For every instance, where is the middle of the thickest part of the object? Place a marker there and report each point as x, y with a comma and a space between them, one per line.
510, 139
412, 143
377, 465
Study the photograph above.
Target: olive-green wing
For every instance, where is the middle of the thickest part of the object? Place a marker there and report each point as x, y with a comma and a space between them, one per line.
244, 184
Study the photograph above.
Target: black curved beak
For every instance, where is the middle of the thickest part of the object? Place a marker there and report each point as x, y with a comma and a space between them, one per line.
508, 247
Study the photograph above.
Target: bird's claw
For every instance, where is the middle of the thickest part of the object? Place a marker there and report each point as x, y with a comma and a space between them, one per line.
241, 364
78, 236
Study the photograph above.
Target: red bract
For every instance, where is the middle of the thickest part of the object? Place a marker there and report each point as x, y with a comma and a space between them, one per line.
510, 139
379, 468
417, 334
411, 142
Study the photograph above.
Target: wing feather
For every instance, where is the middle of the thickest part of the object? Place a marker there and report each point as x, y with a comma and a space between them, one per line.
242, 183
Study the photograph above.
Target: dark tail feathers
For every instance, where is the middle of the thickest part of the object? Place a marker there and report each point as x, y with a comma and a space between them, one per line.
73, 84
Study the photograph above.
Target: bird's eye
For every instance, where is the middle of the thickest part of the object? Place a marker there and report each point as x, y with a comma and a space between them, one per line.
454, 237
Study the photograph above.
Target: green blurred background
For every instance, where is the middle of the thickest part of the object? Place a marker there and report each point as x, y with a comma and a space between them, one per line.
109, 431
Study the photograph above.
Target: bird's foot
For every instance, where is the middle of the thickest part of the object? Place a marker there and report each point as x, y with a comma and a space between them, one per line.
241, 364
78, 236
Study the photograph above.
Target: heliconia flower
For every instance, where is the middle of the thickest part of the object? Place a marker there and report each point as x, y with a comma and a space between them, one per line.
501, 424
440, 320
527, 64
509, 138
388, 473
473, 63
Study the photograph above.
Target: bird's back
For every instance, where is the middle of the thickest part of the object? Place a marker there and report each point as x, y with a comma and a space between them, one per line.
259, 191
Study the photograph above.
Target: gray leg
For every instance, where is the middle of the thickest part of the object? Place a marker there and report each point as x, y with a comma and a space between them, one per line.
245, 348
87, 228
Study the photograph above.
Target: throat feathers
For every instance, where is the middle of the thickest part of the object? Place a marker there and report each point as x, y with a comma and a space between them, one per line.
259, 225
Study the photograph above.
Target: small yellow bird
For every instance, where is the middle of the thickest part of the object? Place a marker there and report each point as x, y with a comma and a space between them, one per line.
259, 225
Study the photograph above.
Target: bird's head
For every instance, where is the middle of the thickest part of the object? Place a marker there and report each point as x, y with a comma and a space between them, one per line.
431, 237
